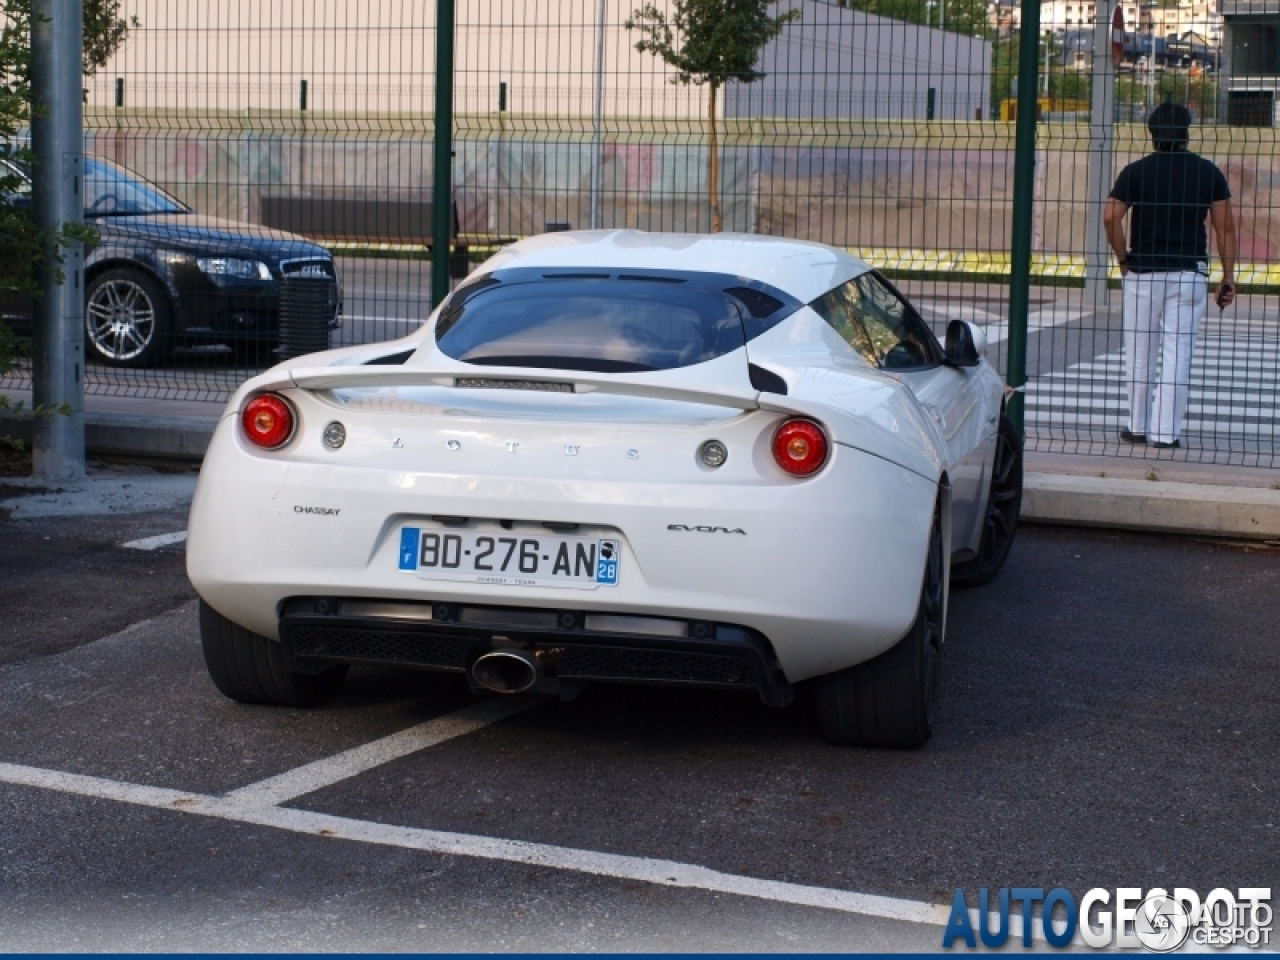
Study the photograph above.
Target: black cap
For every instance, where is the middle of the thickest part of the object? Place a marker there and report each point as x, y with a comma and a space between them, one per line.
1170, 126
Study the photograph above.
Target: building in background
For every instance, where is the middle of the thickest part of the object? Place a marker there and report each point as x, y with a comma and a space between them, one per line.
1251, 61
363, 59
839, 63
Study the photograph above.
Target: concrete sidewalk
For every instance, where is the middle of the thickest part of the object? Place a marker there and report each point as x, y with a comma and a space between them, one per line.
1131, 493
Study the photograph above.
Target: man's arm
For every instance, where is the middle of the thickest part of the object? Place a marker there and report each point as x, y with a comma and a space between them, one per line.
1113, 219
1224, 231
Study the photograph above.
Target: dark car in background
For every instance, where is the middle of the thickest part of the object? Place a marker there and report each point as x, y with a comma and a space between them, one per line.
161, 276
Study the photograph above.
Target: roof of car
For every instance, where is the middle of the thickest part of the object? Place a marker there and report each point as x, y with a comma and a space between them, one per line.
803, 270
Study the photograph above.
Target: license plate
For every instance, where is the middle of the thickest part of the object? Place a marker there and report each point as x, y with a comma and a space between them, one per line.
480, 557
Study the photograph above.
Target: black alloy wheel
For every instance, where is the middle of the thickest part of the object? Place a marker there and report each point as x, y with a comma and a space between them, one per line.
127, 319
891, 700
1004, 505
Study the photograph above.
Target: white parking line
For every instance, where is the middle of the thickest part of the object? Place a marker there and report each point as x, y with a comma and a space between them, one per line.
259, 803
154, 543
322, 773
667, 873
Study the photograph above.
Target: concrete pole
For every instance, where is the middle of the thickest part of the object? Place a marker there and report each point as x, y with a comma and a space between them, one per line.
57, 140
597, 119
1102, 133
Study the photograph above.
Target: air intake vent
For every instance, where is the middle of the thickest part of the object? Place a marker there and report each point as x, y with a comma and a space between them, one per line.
308, 305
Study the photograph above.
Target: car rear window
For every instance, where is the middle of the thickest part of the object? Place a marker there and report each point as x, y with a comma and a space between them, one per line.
614, 323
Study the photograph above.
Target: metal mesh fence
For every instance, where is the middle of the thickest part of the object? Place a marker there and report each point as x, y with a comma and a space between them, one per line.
881, 126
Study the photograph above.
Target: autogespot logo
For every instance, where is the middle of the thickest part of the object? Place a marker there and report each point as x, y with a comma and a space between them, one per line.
1129, 918
1162, 923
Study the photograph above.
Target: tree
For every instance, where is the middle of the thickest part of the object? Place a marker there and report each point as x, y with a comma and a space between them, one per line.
21, 244
710, 42
1004, 68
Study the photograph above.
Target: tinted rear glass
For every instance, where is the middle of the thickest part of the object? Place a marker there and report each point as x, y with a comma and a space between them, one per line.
614, 325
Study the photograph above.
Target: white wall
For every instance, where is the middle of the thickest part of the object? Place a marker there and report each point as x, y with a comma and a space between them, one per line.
378, 57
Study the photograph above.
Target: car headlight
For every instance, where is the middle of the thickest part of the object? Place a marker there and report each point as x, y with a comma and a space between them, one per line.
233, 267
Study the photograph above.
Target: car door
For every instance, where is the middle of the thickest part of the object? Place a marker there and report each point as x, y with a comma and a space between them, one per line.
898, 340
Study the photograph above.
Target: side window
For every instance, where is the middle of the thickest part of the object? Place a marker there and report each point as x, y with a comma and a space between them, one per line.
843, 309
879, 324
897, 333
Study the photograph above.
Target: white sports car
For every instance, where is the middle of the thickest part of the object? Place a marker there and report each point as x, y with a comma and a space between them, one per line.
725, 461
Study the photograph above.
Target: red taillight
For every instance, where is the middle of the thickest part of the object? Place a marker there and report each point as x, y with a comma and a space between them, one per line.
800, 447
268, 421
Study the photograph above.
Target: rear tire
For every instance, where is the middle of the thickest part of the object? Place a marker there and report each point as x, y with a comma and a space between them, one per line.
890, 701
1003, 507
251, 668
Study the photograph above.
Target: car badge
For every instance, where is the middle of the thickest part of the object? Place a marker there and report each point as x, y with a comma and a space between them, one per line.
454, 444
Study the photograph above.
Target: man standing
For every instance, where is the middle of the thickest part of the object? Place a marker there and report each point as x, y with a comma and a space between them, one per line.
1166, 270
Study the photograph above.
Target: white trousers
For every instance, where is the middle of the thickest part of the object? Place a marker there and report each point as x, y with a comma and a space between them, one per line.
1162, 314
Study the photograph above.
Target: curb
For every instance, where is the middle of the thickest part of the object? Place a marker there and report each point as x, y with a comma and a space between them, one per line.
122, 434
1248, 513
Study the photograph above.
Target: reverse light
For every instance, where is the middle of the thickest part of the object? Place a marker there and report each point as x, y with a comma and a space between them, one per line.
713, 453
268, 421
800, 447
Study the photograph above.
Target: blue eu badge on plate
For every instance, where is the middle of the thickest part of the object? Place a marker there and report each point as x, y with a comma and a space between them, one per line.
409, 549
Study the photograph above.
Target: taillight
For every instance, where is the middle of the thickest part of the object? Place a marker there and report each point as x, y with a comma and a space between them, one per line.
800, 447
268, 421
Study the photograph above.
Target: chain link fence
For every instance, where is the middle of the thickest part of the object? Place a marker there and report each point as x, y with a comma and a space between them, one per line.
885, 129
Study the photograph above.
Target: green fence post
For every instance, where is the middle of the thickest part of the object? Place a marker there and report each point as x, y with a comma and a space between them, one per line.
1024, 173
442, 184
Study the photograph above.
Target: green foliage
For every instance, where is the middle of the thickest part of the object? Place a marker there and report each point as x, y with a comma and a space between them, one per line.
1073, 85
1004, 67
21, 244
1200, 93
709, 41
968, 17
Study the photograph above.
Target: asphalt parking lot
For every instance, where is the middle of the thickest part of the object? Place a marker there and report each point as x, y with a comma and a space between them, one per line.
1108, 718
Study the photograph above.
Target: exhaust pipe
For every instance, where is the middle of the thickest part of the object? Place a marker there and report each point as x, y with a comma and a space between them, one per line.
507, 671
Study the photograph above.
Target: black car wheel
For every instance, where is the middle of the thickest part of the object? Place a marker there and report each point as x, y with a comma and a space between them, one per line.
890, 701
128, 322
1004, 505
251, 669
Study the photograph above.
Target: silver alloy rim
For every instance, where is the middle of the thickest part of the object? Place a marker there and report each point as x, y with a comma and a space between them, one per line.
121, 319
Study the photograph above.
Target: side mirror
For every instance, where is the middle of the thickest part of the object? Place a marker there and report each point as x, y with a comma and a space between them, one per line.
965, 344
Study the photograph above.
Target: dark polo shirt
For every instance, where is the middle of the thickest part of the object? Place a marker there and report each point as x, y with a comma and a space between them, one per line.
1170, 194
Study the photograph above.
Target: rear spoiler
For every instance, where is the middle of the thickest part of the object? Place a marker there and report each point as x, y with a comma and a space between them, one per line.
661, 385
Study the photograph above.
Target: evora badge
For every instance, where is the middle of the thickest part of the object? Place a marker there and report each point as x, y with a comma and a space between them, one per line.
680, 527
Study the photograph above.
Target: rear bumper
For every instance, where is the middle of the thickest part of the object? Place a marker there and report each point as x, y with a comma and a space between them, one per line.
572, 645
828, 570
